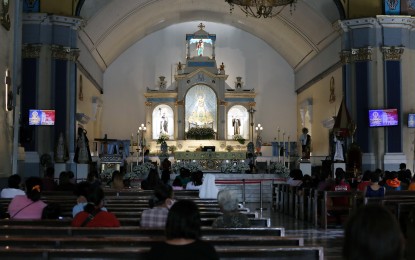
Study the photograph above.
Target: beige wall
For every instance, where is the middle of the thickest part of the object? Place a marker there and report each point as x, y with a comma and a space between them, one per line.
322, 110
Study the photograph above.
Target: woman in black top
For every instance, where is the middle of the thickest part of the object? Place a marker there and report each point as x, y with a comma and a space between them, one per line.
183, 235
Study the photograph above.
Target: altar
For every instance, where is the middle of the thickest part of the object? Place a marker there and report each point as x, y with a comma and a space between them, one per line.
212, 161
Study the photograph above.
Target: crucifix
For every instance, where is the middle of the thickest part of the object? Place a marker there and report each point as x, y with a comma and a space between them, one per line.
201, 26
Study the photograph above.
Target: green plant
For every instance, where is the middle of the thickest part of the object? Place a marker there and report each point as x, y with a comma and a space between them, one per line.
229, 148
239, 138
172, 148
280, 169
163, 138
200, 133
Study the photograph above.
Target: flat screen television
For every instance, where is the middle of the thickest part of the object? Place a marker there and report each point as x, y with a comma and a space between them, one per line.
41, 117
383, 117
208, 148
411, 120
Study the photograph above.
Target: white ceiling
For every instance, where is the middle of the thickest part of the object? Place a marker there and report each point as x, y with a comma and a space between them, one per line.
112, 26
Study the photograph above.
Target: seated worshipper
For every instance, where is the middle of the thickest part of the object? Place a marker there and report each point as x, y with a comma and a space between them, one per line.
340, 185
65, 182
165, 177
231, 218
28, 206
165, 165
160, 204
196, 182
184, 176
13, 187
296, 178
365, 181
177, 184
117, 180
152, 180
374, 189
373, 233
93, 178
208, 189
404, 176
183, 234
48, 181
412, 184
392, 182
82, 191
93, 215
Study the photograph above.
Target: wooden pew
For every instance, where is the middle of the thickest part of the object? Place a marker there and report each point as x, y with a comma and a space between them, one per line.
135, 241
237, 252
64, 231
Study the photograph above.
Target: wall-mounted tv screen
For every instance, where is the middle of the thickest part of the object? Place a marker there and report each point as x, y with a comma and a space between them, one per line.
383, 117
411, 120
41, 117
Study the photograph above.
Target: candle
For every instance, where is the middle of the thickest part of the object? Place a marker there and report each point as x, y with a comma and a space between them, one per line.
283, 148
131, 140
288, 145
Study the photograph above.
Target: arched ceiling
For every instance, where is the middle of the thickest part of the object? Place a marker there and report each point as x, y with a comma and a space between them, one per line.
112, 26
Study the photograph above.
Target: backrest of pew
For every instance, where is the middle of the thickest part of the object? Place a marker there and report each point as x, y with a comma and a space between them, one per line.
263, 252
58, 231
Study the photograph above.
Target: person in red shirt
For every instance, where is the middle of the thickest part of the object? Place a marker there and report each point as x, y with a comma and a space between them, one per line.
340, 202
93, 216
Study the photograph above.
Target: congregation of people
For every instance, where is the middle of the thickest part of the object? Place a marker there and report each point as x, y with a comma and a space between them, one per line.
181, 219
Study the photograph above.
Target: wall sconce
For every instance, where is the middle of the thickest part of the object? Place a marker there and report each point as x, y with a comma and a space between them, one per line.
5, 19
8, 93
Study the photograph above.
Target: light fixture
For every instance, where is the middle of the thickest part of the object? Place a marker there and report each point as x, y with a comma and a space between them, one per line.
260, 8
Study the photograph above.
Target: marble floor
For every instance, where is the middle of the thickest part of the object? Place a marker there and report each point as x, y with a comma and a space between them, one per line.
331, 239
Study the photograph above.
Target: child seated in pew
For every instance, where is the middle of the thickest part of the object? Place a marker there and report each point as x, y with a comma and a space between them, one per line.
196, 181
160, 204
93, 215
82, 191
13, 187
231, 218
183, 234
28, 206
374, 189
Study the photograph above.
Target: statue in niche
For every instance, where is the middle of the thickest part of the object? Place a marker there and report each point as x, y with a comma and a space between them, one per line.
164, 124
305, 140
201, 115
236, 123
200, 47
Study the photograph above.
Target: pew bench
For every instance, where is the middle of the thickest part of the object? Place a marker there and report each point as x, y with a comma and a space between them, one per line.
237, 252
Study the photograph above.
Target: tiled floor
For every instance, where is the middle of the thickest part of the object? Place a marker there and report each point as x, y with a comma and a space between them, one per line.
330, 239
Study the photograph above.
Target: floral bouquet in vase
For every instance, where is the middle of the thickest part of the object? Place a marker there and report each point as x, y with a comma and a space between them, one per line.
280, 168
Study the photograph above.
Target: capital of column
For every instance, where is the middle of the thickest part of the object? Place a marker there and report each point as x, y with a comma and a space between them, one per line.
64, 53
223, 103
345, 56
362, 54
31, 51
392, 53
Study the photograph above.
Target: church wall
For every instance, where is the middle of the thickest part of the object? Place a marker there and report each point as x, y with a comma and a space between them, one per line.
260, 67
322, 110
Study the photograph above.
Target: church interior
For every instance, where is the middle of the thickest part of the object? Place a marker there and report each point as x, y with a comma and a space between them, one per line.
100, 82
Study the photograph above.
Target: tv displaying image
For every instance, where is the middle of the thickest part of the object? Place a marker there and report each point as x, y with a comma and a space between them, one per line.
383, 117
411, 120
41, 117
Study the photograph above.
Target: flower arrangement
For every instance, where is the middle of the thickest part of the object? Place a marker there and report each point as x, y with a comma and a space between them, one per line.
172, 148
191, 166
229, 148
239, 138
163, 138
235, 167
280, 169
200, 133
140, 171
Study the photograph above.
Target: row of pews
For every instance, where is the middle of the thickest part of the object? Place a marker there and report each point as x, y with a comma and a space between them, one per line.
315, 206
55, 239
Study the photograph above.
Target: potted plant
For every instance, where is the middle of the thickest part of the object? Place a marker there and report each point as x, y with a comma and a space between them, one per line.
200, 133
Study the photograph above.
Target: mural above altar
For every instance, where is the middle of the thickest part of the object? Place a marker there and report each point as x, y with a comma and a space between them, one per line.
199, 98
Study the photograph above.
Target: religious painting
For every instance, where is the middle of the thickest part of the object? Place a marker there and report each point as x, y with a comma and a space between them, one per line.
392, 7
201, 47
163, 121
238, 122
200, 107
408, 7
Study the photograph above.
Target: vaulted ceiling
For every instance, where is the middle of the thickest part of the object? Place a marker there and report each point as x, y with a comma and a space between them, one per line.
112, 26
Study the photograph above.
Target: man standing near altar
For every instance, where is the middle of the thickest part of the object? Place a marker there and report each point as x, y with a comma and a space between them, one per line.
305, 140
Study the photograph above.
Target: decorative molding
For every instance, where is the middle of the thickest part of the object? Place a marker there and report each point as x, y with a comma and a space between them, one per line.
345, 56
31, 51
148, 104
362, 54
223, 103
252, 104
64, 53
179, 103
392, 53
